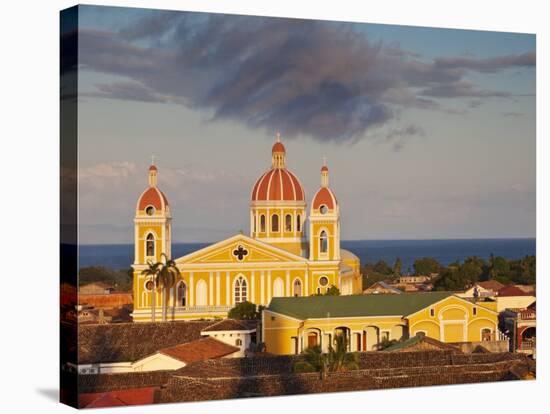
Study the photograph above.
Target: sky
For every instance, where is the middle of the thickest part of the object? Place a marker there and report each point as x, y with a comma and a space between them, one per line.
428, 133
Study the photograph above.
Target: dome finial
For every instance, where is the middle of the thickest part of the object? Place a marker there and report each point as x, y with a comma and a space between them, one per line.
278, 153
324, 173
153, 173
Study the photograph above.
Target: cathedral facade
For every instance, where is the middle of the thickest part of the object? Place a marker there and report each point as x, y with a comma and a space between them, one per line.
291, 250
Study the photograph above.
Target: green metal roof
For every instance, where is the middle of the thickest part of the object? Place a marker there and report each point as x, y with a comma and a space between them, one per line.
307, 307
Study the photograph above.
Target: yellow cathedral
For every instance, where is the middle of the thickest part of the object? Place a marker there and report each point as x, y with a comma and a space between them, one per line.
276, 260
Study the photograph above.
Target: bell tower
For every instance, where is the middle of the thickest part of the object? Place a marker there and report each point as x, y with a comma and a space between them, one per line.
152, 223
324, 222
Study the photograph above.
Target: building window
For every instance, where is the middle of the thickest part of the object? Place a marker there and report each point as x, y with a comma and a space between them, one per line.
150, 245
275, 223
288, 222
432, 312
297, 288
181, 294
238, 342
474, 311
262, 224
241, 294
149, 285
323, 209
298, 223
323, 242
486, 334
150, 210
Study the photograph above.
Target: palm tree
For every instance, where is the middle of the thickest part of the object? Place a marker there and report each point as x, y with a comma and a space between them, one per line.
339, 359
152, 270
166, 278
164, 275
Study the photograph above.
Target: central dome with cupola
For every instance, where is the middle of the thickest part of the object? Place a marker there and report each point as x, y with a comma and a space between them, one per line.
278, 183
278, 206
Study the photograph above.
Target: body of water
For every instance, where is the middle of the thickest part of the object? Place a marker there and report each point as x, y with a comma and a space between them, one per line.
119, 256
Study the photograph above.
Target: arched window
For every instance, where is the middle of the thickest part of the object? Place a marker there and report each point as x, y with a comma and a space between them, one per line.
150, 245
278, 288
323, 242
241, 294
181, 294
298, 222
486, 334
275, 222
262, 224
288, 222
297, 288
238, 342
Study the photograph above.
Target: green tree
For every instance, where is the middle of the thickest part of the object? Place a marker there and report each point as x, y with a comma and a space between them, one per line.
426, 265
245, 311
382, 267
332, 291
397, 267
337, 359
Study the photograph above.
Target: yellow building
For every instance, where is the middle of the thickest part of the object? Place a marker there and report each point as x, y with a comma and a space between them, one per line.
276, 260
290, 325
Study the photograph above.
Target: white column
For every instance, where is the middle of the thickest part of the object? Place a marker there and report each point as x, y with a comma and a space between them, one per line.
252, 292
218, 288
288, 293
268, 299
191, 290
262, 283
211, 289
227, 290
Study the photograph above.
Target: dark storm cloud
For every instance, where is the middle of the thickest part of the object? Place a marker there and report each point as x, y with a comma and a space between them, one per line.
303, 77
488, 65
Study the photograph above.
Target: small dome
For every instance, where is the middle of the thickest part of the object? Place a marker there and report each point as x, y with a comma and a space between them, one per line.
152, 197
153, 168
324, 196
278, 147
278, 184
324, 168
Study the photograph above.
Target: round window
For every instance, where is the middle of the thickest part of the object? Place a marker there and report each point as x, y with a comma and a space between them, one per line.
149, 285
150, 210
323, 280
323, 209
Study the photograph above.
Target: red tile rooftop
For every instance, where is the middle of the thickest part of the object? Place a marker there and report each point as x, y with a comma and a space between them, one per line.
199, 350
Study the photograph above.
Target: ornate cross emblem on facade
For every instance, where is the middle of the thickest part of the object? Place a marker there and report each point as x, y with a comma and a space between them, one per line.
240, 252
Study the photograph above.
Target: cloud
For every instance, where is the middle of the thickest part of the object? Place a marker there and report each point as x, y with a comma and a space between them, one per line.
488, 65
325, 80
398, 136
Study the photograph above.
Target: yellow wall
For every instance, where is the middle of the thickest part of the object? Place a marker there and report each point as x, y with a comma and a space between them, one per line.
453, 320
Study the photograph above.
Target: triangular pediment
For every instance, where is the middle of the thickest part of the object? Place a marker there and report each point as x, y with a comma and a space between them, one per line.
239, 249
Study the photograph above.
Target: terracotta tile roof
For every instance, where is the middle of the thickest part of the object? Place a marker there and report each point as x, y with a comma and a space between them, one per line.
232, 325
512, 291
491, 285
199, 350
136, 396
131, 341
414, 342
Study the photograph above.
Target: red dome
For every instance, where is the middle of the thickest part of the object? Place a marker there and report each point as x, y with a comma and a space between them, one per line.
324, 168
153, 168
324, 196
278, 147
152, 197
278, 184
